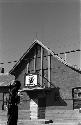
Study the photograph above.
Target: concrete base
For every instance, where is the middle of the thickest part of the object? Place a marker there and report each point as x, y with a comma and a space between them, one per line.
42, 122
39, 121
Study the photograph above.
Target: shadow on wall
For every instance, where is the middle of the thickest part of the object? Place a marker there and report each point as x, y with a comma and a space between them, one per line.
50, 98
54, 98
45, 99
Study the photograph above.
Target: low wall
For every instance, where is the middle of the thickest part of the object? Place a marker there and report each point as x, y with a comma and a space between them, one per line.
24, 114
55, 115
63, 115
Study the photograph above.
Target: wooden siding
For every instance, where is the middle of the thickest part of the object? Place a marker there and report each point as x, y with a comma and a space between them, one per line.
45, 59
45, 77
31, 65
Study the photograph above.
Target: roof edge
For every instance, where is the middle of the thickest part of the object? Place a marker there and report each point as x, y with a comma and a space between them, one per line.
45, 47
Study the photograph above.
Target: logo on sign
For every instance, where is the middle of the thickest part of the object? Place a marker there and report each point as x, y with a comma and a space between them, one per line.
31, 80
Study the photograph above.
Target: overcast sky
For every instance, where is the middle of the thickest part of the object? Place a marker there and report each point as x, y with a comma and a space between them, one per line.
56, 23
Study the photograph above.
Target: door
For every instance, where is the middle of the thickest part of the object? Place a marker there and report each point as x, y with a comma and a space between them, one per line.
41, 107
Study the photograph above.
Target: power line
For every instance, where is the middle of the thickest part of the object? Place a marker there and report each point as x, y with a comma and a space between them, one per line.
71, 51
9, 62
67, 52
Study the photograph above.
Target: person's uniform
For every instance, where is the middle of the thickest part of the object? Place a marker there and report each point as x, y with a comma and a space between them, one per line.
13, 107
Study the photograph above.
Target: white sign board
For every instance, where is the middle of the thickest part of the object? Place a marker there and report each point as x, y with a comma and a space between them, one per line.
31, 80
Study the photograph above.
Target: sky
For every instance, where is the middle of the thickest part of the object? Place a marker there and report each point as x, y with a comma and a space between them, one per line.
56, 23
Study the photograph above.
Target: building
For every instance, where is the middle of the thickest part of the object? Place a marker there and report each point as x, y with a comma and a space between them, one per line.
47, 84
5, 80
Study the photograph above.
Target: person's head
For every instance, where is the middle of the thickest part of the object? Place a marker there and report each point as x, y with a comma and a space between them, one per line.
17, 84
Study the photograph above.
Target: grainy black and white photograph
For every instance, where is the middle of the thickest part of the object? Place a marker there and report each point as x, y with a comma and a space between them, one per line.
40, 62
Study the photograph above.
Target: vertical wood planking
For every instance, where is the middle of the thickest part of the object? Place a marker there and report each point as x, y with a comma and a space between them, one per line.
27, 67
41, 79
35, 61
49, 68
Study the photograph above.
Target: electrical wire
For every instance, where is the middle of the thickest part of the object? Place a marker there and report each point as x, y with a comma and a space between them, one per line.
71, 51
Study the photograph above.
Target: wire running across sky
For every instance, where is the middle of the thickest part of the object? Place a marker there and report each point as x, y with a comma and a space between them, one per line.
67, 52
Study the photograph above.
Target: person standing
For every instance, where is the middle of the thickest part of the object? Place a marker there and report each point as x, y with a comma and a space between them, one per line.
13, 102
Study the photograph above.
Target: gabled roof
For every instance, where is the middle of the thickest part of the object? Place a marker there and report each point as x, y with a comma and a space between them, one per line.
49, 50
6, 79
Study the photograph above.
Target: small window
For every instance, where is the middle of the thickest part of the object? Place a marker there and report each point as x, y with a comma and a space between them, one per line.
79, 94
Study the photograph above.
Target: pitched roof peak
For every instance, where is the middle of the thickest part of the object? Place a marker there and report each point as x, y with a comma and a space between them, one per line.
45, 47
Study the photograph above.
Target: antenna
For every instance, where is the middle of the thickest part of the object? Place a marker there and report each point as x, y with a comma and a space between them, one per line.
36, 35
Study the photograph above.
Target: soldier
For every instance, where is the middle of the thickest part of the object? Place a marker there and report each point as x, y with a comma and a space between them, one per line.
13, 104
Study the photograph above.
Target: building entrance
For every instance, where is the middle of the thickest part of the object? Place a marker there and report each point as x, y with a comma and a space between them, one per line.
41, 107
37, 108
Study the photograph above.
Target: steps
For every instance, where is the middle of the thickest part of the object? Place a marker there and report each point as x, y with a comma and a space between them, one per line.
63, 117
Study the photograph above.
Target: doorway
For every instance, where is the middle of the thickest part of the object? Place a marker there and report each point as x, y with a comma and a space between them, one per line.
41, 107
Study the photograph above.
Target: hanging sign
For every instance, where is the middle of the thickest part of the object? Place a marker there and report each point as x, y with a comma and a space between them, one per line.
31, 80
